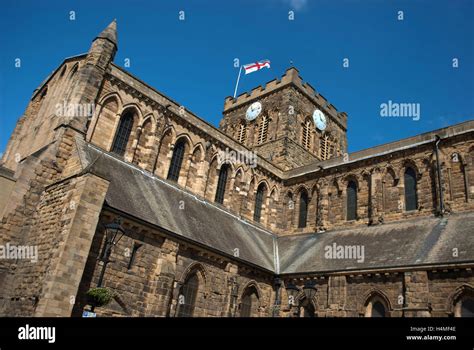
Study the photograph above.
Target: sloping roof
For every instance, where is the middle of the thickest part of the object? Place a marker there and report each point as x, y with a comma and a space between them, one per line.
419, 241
157, 202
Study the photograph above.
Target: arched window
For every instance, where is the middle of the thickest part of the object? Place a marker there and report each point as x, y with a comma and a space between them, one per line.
351, 200
44, 92
324, 147
303, 212
73, 70
464, 303
411, 200
63, 71
187, 296
378, 309
259, 202
306, 137
467, 307
242, 135
123, 133
376, 306
262, 132
221, 183
176, 160
249, 302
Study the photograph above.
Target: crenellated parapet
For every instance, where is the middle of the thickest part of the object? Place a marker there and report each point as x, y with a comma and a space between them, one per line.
290, 78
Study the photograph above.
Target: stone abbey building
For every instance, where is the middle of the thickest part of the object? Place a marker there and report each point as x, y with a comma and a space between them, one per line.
267, 215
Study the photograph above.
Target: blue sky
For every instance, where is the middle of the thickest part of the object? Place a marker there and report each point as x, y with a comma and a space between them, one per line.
191, 61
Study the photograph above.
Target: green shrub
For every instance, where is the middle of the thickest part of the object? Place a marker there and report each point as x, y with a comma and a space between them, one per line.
100, 296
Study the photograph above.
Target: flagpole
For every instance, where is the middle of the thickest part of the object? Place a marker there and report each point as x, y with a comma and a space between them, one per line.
237, 84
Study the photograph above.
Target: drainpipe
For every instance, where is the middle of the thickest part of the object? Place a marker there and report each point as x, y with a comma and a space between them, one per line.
438, 170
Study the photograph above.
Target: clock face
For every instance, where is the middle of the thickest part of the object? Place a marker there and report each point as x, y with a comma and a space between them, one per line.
319, 119
253, 111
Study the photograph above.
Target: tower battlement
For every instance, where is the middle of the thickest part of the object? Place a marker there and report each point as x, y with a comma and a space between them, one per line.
291, 77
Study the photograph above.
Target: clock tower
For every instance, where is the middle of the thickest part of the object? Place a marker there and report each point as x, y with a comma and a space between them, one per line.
287, 122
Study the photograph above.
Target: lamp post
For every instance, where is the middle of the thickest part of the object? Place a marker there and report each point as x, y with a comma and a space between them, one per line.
113, 233
309, 290
276, 306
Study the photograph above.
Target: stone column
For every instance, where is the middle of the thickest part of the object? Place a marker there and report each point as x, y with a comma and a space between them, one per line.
60, 288
417, 303
231, 272
337, 296
162, 281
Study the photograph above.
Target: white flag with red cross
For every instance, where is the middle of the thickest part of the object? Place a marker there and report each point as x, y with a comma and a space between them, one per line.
253, 67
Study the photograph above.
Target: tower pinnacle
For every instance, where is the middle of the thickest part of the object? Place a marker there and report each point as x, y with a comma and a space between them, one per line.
109, 33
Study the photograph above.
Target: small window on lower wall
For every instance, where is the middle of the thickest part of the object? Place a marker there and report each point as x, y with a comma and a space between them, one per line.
249, 303
187, 296
467, 307
378, 310
464, 307
376, 307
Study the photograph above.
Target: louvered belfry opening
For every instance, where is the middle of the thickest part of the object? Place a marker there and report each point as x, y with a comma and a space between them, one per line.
324, 147
263, 131
306, 137
242, 135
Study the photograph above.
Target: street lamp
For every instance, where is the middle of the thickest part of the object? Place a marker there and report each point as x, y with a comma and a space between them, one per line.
113, 233
309, 290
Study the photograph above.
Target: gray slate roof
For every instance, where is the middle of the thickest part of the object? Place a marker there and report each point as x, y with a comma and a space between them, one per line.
419, 241
158, 202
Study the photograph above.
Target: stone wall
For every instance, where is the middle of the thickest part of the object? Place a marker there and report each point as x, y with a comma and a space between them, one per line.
147, 282
417, 293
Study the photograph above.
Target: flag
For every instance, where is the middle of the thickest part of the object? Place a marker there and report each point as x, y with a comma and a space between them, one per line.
252, 67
